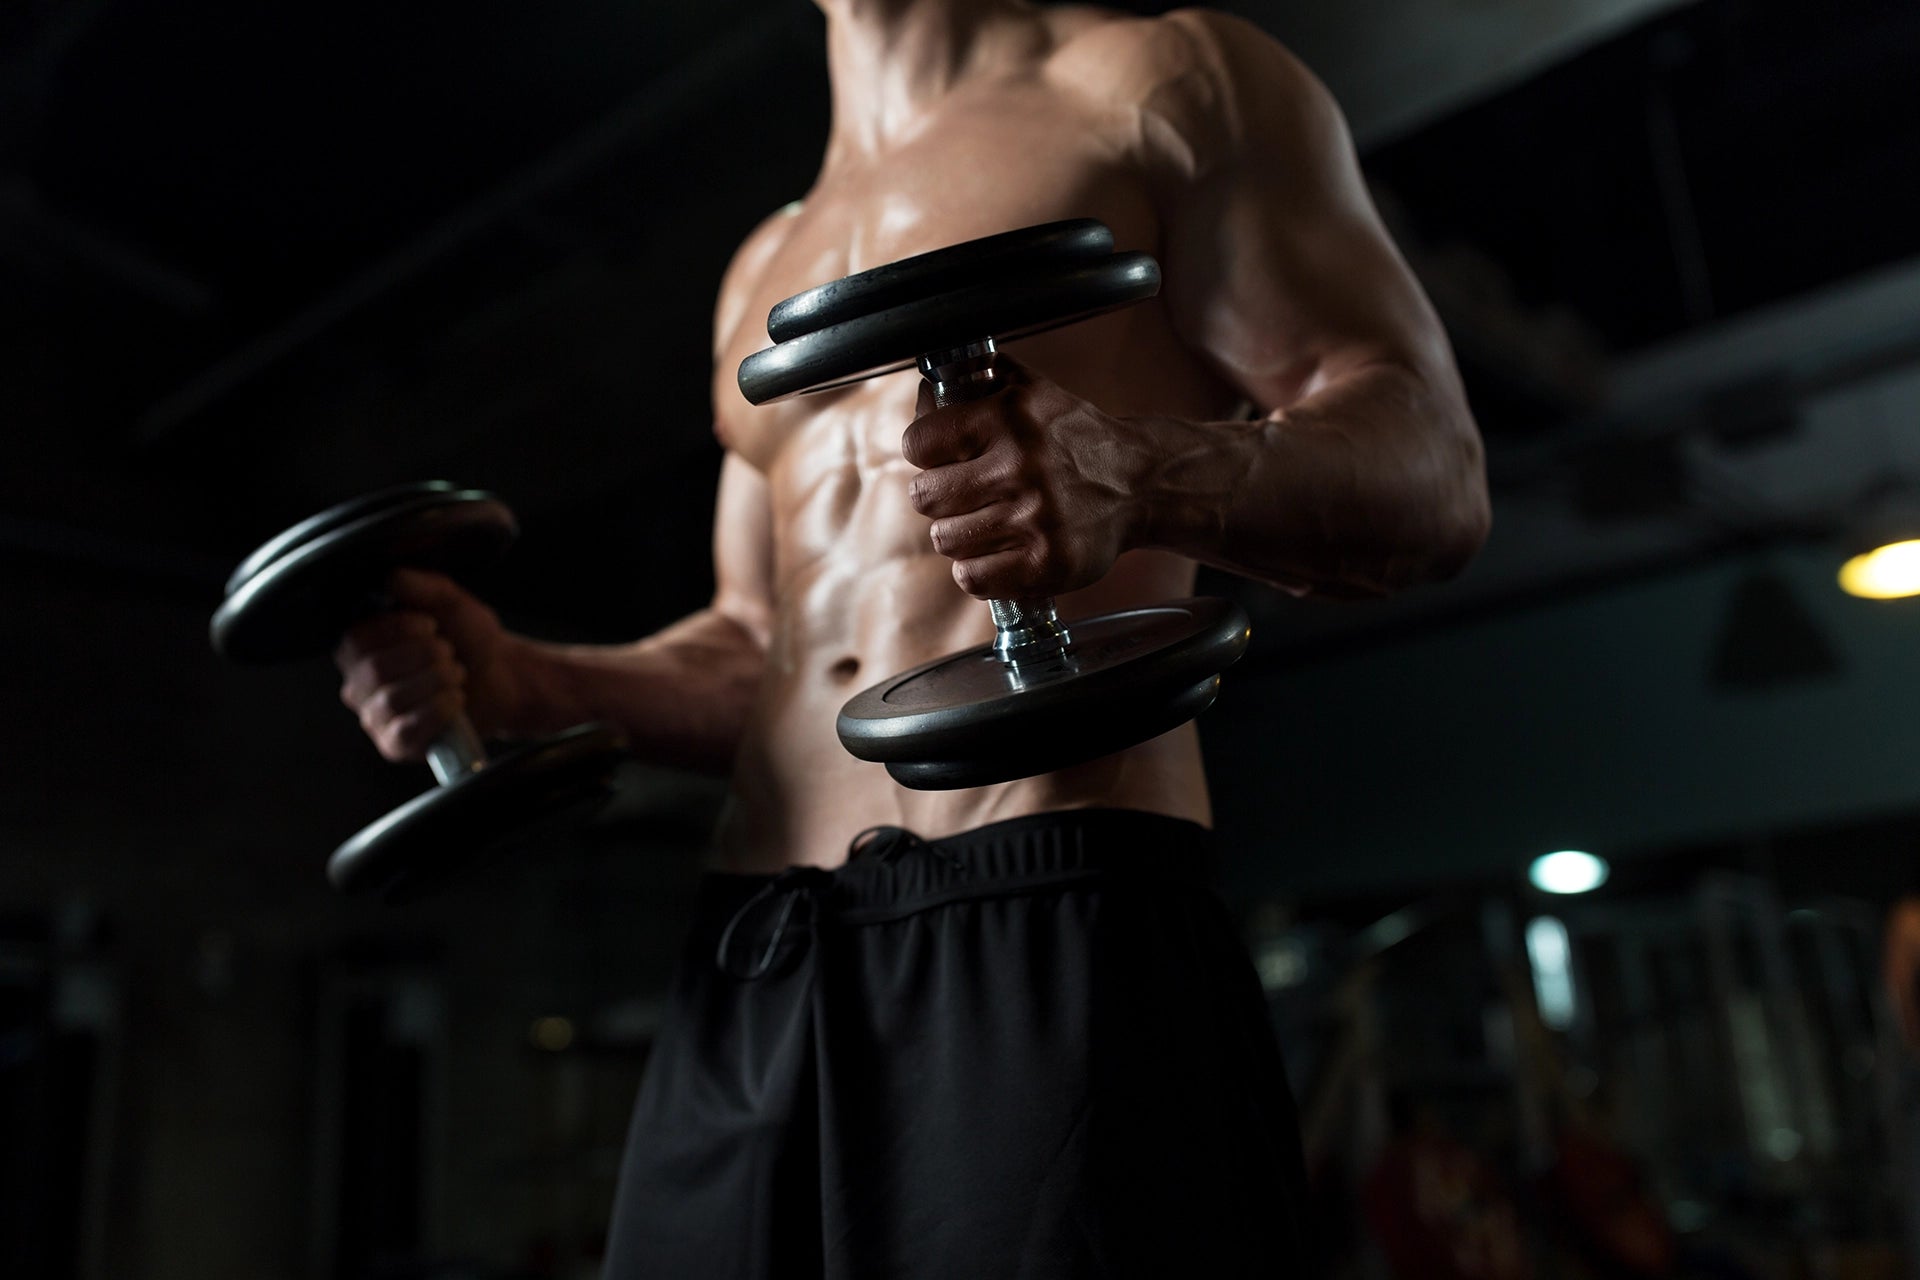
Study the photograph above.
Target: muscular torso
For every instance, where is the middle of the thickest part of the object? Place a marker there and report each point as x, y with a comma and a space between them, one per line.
859, 592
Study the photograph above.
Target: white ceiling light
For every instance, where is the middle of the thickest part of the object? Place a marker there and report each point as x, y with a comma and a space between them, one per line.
1568, 871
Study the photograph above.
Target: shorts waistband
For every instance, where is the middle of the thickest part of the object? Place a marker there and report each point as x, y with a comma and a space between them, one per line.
894, 869
892, 872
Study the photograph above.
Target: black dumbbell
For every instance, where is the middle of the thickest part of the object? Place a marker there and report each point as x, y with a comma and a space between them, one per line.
297, 595
1043, 695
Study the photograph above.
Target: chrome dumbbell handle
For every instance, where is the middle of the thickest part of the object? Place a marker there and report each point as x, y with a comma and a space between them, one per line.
457, 752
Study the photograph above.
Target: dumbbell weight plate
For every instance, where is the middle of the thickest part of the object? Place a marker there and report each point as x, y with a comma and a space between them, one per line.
294, 596
967, 719
989, 260
1044, 295
556, 782
334, 517
1139, 721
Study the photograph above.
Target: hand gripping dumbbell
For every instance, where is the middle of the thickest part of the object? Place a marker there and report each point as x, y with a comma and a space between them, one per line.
1044, 694
298, 594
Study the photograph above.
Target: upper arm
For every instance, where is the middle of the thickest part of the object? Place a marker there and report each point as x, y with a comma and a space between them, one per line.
1278, 268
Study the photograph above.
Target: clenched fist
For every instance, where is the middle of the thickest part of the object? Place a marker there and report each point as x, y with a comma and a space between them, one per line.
1031, 490
408, 672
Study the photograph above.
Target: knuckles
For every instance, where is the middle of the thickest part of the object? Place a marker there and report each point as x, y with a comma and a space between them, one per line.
1021, 571
1001, 500
961, 432
408, 736
969, 578
935, 440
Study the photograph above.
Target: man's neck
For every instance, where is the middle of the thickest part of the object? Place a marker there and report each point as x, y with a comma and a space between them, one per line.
889, 60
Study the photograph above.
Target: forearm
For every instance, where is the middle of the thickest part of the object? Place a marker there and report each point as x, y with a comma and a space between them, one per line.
1372, 483
682, 695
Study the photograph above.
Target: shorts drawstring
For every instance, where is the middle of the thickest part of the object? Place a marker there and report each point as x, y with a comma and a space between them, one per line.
888, 843
790, 887
809, 884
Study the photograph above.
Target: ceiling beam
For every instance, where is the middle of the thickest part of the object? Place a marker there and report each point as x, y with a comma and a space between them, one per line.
1396, 64
1782, 353
38, 239
657, 107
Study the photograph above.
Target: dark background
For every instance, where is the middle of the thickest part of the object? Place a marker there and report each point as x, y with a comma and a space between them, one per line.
258, 259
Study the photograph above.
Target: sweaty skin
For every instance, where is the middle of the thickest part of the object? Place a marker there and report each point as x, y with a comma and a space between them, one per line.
1287, 409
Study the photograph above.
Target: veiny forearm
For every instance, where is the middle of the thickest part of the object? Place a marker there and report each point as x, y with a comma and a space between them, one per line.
1373, 482
681, 695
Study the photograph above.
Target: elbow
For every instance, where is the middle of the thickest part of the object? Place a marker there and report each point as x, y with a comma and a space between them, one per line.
1451, 522
1441, 484
1463, 530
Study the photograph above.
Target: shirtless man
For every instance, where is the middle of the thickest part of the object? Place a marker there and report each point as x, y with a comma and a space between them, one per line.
1007, 1033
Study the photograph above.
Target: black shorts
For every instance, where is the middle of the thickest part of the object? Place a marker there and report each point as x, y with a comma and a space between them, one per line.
1036, 1049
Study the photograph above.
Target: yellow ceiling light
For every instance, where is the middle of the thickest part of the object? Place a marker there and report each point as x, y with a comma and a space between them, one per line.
1887, 572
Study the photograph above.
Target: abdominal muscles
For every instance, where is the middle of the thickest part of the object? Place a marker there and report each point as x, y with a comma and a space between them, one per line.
861, 596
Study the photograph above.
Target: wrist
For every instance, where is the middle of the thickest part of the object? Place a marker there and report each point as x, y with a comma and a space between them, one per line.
530, 690
1153, 516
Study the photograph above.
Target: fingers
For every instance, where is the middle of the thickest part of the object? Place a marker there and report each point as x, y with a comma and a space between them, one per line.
1001, 526
402, 680
1006, 552
957, 488
955, 434
389, 648
1016, 572
419, 606
403, 718
407, 737
1017, 515
376, 704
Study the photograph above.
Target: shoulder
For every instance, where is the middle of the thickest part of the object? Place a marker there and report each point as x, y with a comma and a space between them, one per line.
1204, 85
738, 286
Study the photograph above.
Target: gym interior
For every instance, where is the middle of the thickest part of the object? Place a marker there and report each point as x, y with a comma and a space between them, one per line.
259, 260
